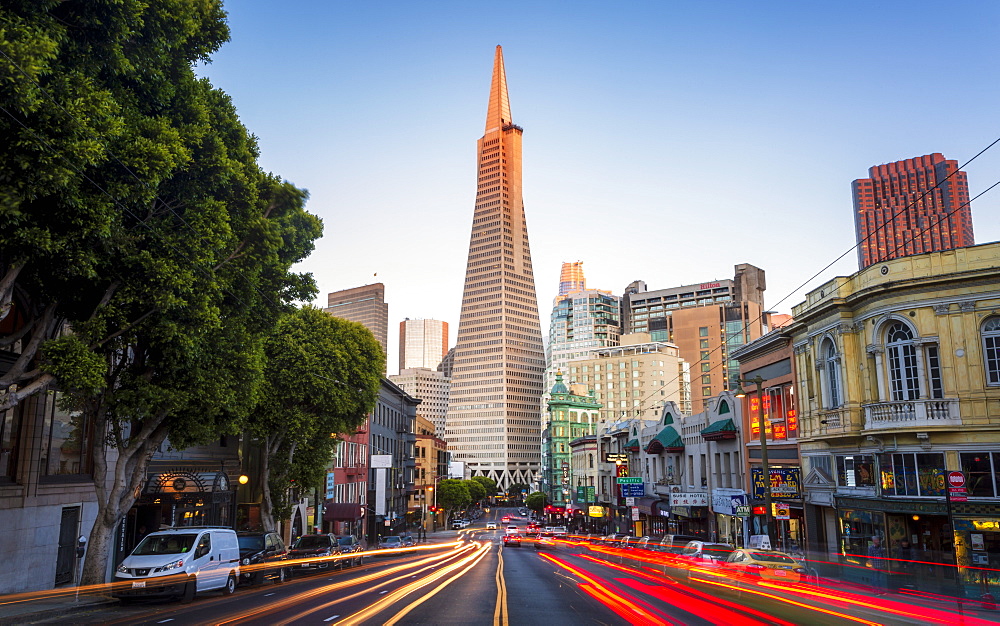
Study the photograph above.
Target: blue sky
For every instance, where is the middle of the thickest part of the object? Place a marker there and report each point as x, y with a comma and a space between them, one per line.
664, 141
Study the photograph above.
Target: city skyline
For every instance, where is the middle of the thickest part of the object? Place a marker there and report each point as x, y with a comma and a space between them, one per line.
651, 126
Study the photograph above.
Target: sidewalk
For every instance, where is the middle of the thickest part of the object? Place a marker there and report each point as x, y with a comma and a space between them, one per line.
46, 608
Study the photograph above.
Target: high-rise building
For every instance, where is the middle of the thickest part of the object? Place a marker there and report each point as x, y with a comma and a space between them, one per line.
431, 387
422, 343
571, 278
911, 206
494, 413
706, 321
365, 305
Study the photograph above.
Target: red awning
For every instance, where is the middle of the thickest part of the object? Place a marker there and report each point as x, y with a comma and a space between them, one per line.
341, 511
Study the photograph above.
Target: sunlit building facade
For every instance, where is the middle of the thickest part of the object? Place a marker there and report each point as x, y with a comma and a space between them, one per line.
494, 408
422, 343
365, 305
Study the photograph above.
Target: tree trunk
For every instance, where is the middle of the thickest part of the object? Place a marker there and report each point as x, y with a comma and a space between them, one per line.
266, 505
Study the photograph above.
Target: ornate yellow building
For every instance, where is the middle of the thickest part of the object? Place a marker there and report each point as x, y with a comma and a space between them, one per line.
898, 368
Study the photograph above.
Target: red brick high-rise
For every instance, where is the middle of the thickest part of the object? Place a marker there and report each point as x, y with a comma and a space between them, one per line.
899, 212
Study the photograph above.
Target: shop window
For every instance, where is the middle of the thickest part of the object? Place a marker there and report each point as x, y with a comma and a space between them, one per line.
901, 354
982, 473
65, 438
991, 349
856, 471
912, 474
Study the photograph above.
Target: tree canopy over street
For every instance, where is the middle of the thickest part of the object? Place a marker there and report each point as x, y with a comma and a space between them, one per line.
146, 255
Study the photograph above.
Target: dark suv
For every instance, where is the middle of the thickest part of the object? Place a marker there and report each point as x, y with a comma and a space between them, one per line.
349, 544
261, 557
312, 553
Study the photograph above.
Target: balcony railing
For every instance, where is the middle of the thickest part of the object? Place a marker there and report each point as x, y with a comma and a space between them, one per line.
912, 414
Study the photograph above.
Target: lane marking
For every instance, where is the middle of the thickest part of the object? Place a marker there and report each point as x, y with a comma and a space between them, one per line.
164, 621
500, 612
269, 594
330, 619
383, 591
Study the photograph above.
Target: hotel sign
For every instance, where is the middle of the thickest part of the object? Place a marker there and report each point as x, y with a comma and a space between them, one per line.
689, 499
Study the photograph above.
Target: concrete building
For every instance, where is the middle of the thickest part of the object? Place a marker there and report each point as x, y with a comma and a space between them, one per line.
365, 305
635, 378
911, 206
706, 321
431, 387
431, 455
391, 441
898, 385
422, 343
494, 409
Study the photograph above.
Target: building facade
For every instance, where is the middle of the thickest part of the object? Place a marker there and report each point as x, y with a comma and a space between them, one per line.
432, 388
706, 321
570, 417
635, 378
391, 441
431, 455
494, 408
422, 343
365, 305
911, 206
899, 385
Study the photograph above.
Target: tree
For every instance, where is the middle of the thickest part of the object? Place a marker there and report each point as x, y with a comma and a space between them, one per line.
453, 495
536, 501
488, 484
517, 490
134, 214
322, 376
476, 490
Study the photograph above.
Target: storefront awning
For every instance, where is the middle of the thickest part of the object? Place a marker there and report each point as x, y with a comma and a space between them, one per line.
646, 505
720, 430
632, 445
341, 512
667, 440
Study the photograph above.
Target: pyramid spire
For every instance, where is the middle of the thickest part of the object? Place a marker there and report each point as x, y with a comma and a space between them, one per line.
498, 113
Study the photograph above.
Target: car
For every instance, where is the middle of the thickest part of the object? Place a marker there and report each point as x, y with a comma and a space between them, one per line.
349, 544
313, 553
491, 525
769, 564
512, 539
179, 563
259, 552
706, 552
391, 542
505, 518
408, 541
614, 539
650, 543
513, 530
675, 543
459, 524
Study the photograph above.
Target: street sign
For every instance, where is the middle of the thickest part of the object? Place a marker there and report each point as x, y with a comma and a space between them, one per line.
782, 511
635, 514
630, 501
611, 457
629, 480
956, 487
956, 479
632, 490
743, 510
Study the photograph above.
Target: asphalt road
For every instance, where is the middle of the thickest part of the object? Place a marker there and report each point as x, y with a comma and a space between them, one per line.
469, 577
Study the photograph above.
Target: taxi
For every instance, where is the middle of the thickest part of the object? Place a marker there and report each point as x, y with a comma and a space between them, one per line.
766, 564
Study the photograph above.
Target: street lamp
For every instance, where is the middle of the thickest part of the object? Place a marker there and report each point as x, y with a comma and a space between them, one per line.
764, 467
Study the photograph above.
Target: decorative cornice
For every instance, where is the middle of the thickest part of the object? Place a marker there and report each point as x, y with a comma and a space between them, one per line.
941, 309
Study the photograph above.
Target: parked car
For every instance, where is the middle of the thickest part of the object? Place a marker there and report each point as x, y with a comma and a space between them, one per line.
614, 539
408, 541
491, 525
458, 524
557, 531
180, 563
675, 543
312, 553
391, 542
512, 539
261, 555
631, 542
650, 543
706, 552
769, 564
349, 544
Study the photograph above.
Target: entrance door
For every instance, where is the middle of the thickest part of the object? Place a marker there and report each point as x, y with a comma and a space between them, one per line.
66, 557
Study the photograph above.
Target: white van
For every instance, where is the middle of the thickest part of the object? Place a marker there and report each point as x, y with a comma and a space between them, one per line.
180, 562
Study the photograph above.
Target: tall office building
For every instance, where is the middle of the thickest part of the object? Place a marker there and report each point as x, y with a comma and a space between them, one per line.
429, 386
422, 343
909, 207
706, 321
494, 414
571, 278
365, 305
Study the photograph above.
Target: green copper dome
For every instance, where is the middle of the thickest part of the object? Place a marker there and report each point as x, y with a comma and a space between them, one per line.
559, 387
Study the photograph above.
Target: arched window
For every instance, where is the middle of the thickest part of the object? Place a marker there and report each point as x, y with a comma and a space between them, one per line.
723, 407
831, 362
901, 355
991, 349
590, 458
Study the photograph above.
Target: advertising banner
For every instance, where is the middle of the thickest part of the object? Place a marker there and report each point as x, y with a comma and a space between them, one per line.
785, 482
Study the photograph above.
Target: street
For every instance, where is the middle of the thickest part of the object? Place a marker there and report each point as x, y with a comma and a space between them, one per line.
471, 577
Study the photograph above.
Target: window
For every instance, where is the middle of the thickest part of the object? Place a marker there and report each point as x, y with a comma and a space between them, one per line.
856, 471
912, 474
981, 473
703, 331
706, 367
902, 361
831, 361
65, 439
703, 344
991, 349
934, 371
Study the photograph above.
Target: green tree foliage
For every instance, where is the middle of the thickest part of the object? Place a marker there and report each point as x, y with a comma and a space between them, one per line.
476, 490
536, 501
488, 484
453, 495
517, 491
322, 376
133, 212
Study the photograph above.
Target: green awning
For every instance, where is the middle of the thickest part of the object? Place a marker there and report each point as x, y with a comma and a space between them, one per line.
667, 440
632, 445
721, 429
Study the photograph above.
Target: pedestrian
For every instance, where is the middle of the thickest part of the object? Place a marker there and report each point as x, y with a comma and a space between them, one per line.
877, 564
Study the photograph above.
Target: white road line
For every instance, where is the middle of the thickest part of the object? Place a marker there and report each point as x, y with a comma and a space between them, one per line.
269, 594
330, 619
383, 591
165, 621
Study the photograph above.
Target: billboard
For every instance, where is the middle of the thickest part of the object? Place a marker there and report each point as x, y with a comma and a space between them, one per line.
785, 482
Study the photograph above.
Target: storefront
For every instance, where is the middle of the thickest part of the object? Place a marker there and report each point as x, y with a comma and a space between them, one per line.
689, 514
653, 516
728, 525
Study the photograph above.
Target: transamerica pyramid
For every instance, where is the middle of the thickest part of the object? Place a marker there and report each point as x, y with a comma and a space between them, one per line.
494, 414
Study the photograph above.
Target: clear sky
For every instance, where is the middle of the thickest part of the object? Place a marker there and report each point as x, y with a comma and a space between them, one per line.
663, 141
